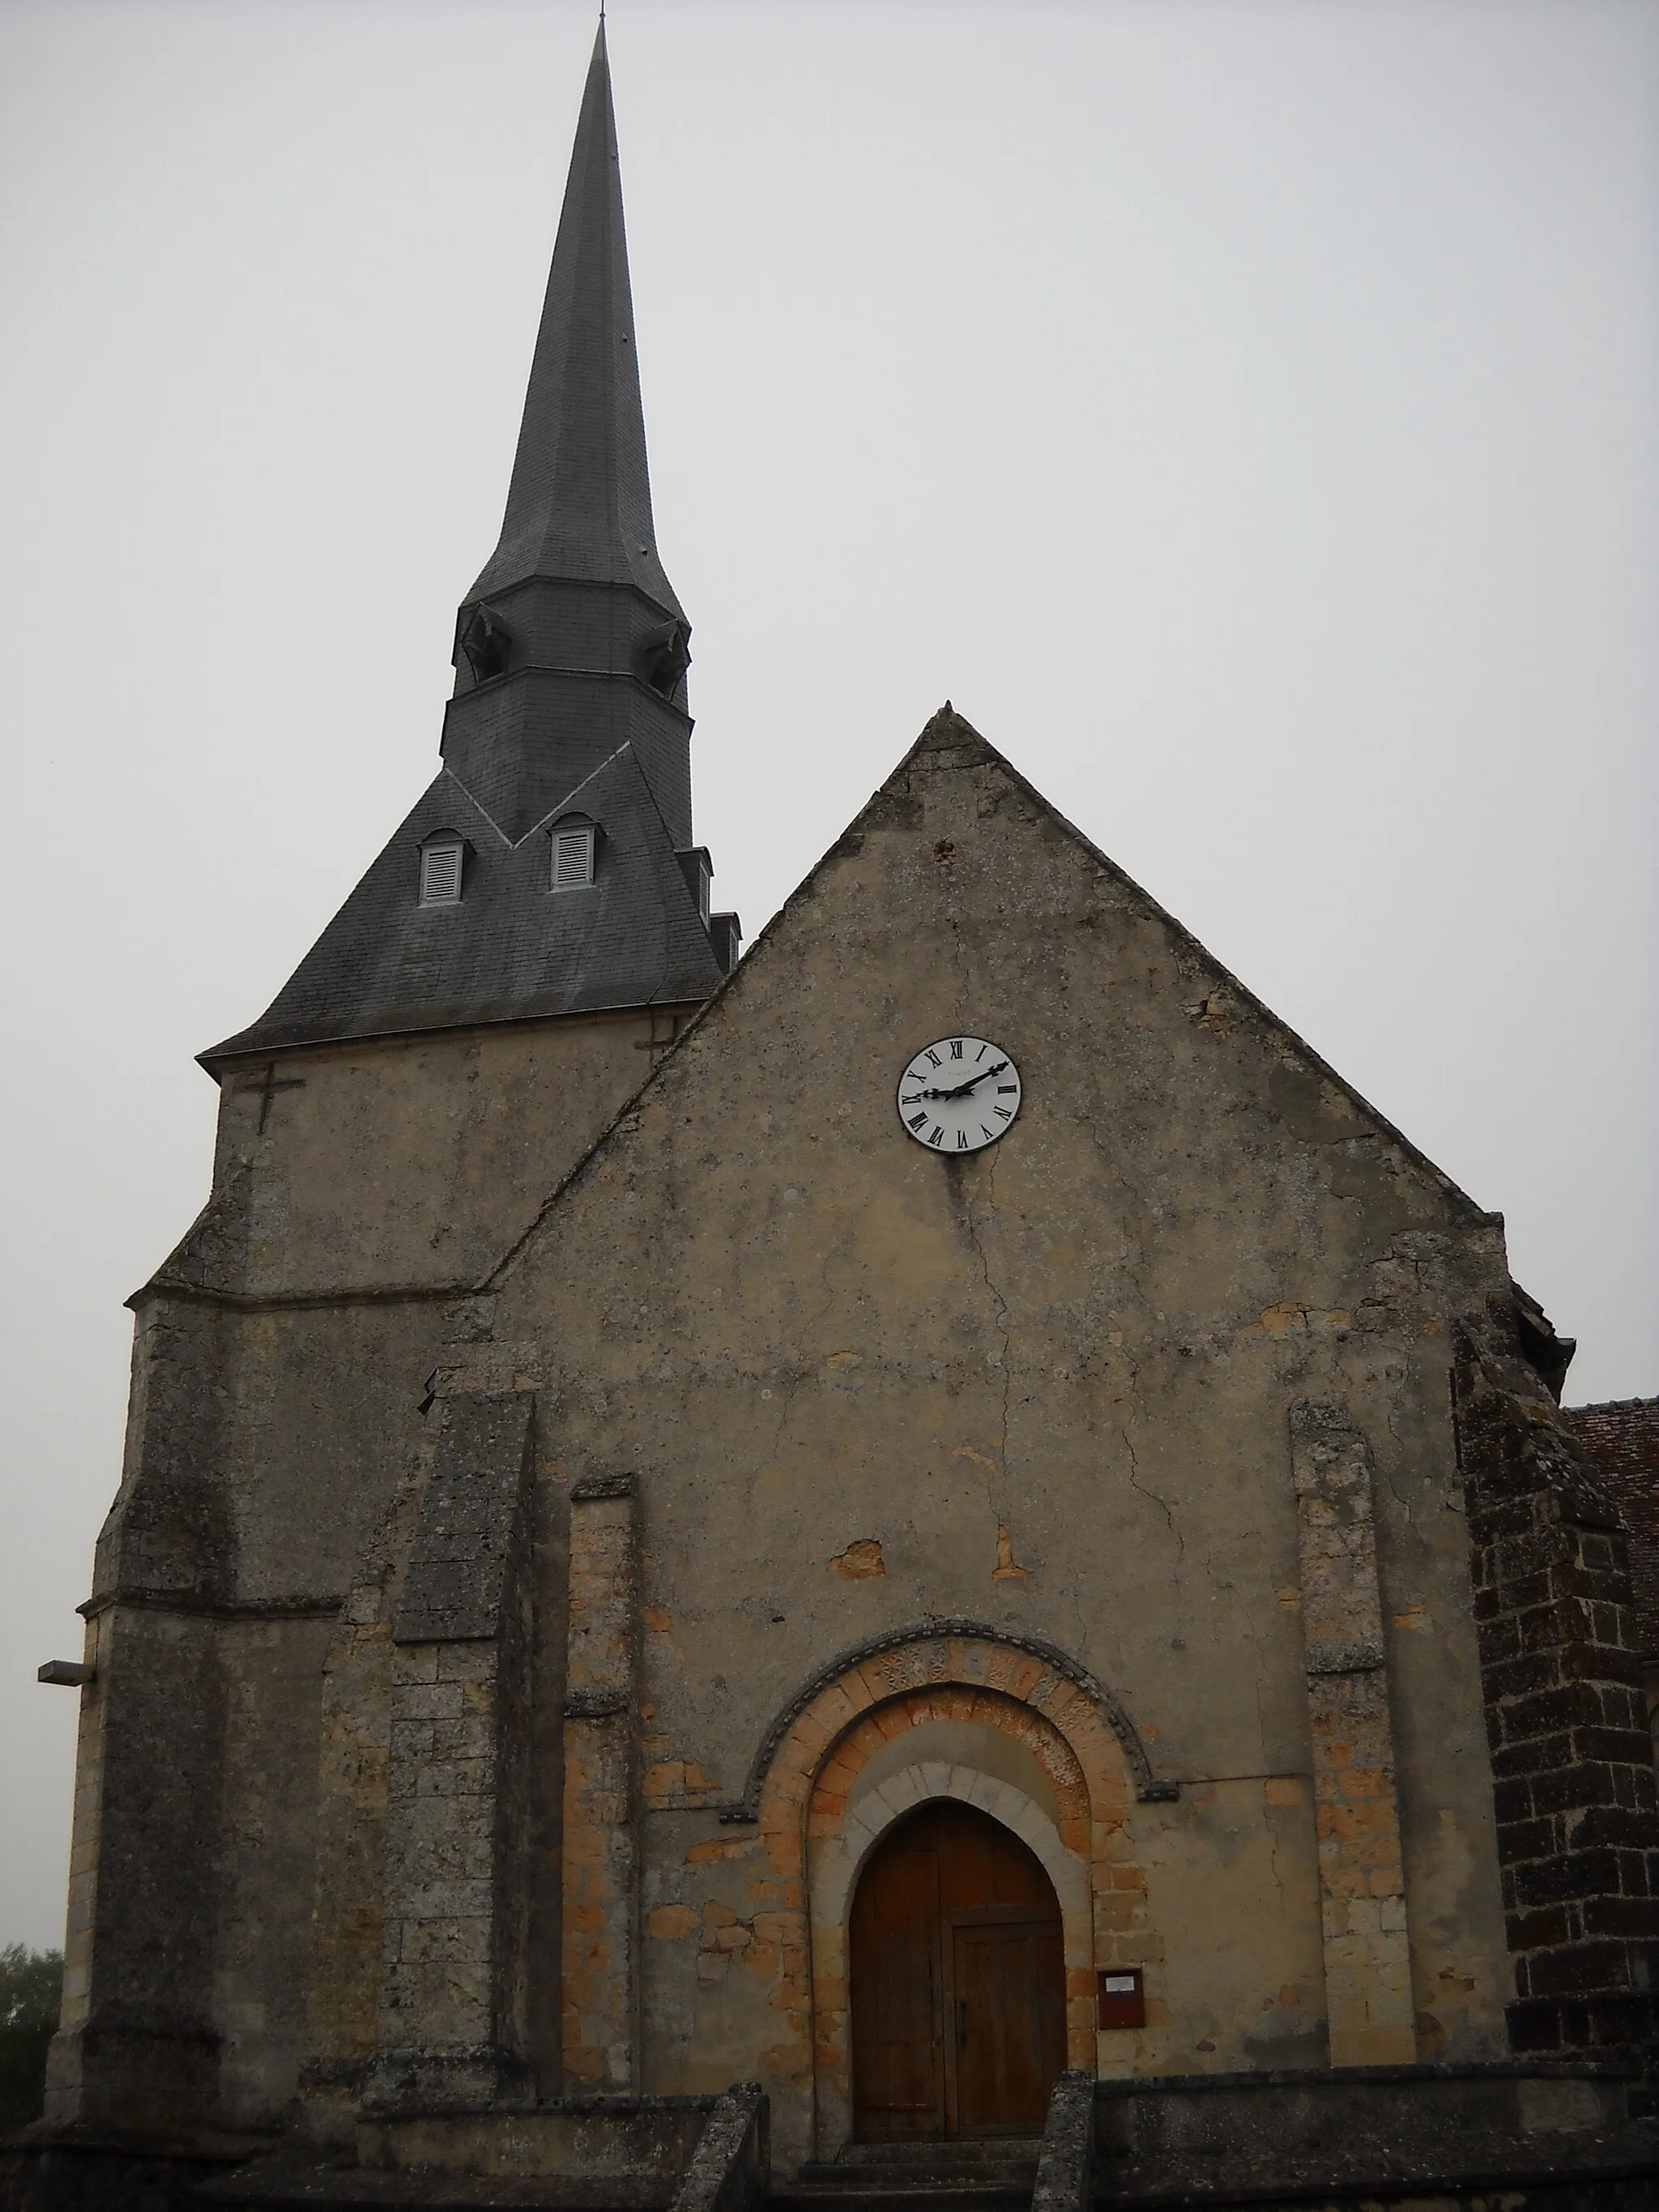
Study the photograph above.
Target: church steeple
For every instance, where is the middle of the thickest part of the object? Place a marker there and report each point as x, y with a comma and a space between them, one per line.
580, 503
550, 868
576, 589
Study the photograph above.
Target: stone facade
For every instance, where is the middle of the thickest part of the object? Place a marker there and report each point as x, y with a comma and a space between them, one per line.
1137, 1350
1166, 1480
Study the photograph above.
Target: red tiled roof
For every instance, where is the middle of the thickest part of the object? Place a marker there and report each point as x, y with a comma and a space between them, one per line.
1622, 1438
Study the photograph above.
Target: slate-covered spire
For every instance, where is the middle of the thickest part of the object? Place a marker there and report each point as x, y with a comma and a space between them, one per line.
580, 503
569, 713
571, 638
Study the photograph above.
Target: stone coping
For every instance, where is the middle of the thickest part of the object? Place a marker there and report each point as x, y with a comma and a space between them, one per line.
1316, 2077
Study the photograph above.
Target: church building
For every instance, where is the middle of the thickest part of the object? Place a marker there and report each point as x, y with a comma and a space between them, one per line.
733, 1576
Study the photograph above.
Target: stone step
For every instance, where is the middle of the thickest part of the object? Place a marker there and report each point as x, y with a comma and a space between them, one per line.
1613, 2171
992, 2175
280, 2186
894, 2193
972, 2157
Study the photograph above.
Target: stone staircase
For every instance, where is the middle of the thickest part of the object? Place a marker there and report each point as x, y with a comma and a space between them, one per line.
1500, 2137
993, 2176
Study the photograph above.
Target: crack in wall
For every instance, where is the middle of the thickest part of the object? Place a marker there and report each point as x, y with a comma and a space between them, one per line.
1132, 1196
809, 1328
1000, 1305
1163, 1504
1272, 1845
999, 1510
1254, 1635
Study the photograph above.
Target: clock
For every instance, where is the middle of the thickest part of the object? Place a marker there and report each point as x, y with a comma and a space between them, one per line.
959, 1094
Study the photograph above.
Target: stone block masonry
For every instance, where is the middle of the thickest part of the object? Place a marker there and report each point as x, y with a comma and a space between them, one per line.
448, 2020
600, 1969
455, 1586
1362, 1886
1573, 1778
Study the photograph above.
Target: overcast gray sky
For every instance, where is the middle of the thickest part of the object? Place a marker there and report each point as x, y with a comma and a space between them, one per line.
1243, 409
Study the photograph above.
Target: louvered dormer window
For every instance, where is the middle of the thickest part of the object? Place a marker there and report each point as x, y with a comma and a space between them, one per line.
572, 845
442, 863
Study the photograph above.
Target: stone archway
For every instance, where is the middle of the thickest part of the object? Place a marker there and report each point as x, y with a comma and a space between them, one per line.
1055, 1765
1042, 1797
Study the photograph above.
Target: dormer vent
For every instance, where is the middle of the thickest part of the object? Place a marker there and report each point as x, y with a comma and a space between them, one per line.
573, 844
698, 871
442, 864
725, 935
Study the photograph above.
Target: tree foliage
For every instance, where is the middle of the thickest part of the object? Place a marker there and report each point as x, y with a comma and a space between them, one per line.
31, 1989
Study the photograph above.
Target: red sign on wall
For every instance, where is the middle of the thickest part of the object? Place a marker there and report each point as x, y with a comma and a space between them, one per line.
1122, 1998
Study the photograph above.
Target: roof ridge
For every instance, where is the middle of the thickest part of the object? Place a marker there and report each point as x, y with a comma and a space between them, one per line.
559, 807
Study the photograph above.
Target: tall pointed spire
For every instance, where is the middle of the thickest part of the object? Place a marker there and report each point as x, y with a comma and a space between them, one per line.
572, 640
579, 502
567, 745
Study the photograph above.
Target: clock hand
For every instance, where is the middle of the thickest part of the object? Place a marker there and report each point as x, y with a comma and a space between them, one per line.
962, 1089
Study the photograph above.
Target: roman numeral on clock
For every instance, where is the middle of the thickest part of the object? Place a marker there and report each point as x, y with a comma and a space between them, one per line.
916, 1120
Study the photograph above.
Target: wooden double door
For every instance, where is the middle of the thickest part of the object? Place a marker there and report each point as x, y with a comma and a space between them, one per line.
959, 1982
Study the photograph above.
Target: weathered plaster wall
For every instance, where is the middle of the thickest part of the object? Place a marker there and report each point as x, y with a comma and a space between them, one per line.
388, 1176
1048, 1388
406, 1160
273, 1674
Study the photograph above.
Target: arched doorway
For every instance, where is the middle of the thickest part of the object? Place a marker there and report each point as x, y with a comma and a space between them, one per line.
959, 1981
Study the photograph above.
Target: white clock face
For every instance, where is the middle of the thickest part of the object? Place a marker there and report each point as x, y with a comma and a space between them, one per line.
959, 1094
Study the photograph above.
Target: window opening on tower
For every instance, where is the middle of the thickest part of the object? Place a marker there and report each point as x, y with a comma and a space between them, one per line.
484, 640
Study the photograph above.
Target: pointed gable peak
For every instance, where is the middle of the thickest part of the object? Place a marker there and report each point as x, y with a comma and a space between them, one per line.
952, 734
917, 801
579, 506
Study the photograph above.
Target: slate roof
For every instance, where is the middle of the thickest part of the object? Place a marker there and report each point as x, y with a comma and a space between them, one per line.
512, 949
585, 710
1622, 1438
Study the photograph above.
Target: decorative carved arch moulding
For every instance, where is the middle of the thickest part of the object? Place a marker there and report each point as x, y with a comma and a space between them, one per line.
1147, 1786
